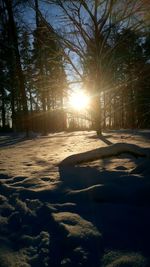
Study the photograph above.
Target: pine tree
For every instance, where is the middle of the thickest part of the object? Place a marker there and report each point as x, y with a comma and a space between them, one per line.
49, 72
127, 70
17, 67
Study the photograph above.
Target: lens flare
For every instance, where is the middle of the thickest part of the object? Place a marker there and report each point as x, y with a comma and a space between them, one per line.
79, 100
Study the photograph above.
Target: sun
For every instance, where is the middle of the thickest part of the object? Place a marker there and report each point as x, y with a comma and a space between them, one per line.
79, 100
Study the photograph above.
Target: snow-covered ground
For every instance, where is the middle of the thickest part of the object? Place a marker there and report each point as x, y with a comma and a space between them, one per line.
92, 214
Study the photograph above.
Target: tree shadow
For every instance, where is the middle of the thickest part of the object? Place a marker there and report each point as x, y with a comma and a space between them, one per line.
10, 140
105, 140
145, 135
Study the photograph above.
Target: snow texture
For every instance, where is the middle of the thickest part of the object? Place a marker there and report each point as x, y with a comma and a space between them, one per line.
72, 199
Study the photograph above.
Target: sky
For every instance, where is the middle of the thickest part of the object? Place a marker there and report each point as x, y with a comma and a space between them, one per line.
50, 12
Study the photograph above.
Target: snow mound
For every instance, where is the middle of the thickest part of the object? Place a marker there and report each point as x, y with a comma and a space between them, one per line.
118, 259
142, 168
112, 150
81, 237
76, 227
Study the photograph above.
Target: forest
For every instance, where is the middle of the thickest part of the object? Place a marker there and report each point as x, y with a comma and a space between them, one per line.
49, 48
74, 133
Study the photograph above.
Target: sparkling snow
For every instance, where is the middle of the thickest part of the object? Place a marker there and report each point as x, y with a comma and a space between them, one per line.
88, 214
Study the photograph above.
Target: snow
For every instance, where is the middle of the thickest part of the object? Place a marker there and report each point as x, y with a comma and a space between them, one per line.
63, 206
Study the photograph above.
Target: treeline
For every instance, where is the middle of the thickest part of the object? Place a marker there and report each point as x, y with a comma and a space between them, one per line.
103, 45
116, 63
32, 75
126, 103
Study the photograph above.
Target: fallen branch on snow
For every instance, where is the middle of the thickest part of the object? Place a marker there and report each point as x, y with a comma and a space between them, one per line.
103, 152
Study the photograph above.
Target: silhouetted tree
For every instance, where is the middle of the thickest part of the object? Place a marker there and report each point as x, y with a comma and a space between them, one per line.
91, 24
50, 78
17, 67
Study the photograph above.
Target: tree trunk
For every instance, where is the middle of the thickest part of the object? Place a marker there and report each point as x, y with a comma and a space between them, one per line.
37, 11
19, 72
3, 109
104, 112
96, 110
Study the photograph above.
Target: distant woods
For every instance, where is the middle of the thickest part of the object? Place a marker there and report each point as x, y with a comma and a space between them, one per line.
103, 45
32, 76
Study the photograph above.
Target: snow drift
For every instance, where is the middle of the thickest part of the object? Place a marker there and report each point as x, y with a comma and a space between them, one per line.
92, 211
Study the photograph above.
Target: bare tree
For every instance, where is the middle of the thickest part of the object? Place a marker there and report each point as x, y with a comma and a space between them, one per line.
88, 26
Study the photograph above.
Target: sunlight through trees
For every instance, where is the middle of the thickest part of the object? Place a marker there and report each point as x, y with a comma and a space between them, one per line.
101, 45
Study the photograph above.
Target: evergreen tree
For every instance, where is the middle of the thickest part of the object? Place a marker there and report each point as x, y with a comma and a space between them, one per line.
128, 66
49, 74
17, 67
27, 67
6, 69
